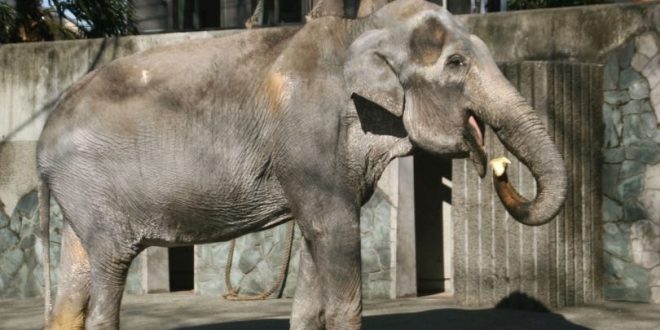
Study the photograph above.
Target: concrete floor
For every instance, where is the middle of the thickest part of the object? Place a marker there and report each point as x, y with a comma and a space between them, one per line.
187, 311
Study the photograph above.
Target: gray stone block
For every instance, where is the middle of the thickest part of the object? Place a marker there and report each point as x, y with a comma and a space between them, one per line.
380, 276
612, 118
4, 219
647, 44
8, 239
252, 286
641, 240
628, 77
655, 276
649, 124
653, 177
614, 155
32, 285
625, 55
616, 97
25, 211
612, 211
615, 241
16, 223
631, 168
655, 295
630, 188
624, 293
384, 254
632, 107
370, 262
633, 210
611, 76
639, 89
21, 280
644, 151
27, 241
639, 61
638, 275
378, 289
646, 106
248, 260
650, 198
610, 179
11, 261
625, 281
632, 130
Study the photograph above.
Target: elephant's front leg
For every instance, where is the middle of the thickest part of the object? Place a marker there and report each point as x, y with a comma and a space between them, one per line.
334, 244
308, 306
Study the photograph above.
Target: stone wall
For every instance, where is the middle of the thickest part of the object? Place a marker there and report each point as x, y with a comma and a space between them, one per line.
21, 250
630, 207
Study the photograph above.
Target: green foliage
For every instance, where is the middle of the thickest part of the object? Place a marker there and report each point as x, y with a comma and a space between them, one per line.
99, 18
7, 18
92, 18
534, 4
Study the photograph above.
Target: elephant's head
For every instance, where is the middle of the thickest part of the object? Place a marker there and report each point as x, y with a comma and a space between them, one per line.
417, 62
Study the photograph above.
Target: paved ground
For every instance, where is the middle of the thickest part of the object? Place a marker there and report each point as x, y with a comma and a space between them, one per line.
186, 311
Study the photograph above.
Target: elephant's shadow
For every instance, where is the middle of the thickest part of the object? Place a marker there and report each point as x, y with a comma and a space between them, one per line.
502, 317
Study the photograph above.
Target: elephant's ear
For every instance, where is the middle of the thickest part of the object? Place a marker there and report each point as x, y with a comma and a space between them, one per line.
368, 73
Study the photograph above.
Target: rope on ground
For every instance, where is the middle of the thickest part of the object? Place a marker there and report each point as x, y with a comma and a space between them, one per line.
233, 294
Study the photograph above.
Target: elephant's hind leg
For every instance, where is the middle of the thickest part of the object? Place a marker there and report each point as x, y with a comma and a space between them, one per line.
109, 267
73, 285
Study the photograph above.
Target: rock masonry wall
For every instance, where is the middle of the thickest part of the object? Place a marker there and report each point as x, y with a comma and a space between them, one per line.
258, 257
631, 171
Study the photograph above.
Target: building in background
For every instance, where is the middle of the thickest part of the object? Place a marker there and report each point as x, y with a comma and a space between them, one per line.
158, 16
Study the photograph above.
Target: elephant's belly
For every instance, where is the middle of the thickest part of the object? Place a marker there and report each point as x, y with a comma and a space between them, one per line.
197, 227
205, 217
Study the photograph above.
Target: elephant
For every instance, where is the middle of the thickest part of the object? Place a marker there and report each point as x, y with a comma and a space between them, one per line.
207, 140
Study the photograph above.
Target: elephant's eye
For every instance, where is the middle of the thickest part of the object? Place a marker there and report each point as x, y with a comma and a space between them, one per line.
456, 60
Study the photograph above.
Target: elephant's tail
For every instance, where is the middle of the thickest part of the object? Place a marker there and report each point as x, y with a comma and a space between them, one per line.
44, 222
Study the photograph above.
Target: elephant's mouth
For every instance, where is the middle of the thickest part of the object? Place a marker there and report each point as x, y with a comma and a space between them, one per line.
475, 137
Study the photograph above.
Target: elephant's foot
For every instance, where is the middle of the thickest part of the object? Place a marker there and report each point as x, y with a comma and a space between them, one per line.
68, 318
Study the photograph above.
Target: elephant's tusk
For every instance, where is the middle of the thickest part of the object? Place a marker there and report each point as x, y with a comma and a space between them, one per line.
499, 165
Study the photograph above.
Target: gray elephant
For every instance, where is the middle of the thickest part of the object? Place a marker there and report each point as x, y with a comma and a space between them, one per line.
208, 140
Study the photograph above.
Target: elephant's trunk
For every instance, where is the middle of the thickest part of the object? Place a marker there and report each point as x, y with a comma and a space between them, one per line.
525, 136
521, 131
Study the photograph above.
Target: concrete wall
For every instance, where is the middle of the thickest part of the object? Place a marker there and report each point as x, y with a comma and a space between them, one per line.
580, 34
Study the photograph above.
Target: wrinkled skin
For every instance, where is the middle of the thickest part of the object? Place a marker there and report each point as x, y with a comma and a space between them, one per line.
209, 140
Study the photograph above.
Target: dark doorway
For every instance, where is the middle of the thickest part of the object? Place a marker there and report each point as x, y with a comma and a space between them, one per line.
182, 268
432, 201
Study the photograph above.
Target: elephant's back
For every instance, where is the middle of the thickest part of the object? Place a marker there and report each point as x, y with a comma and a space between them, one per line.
159, 91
